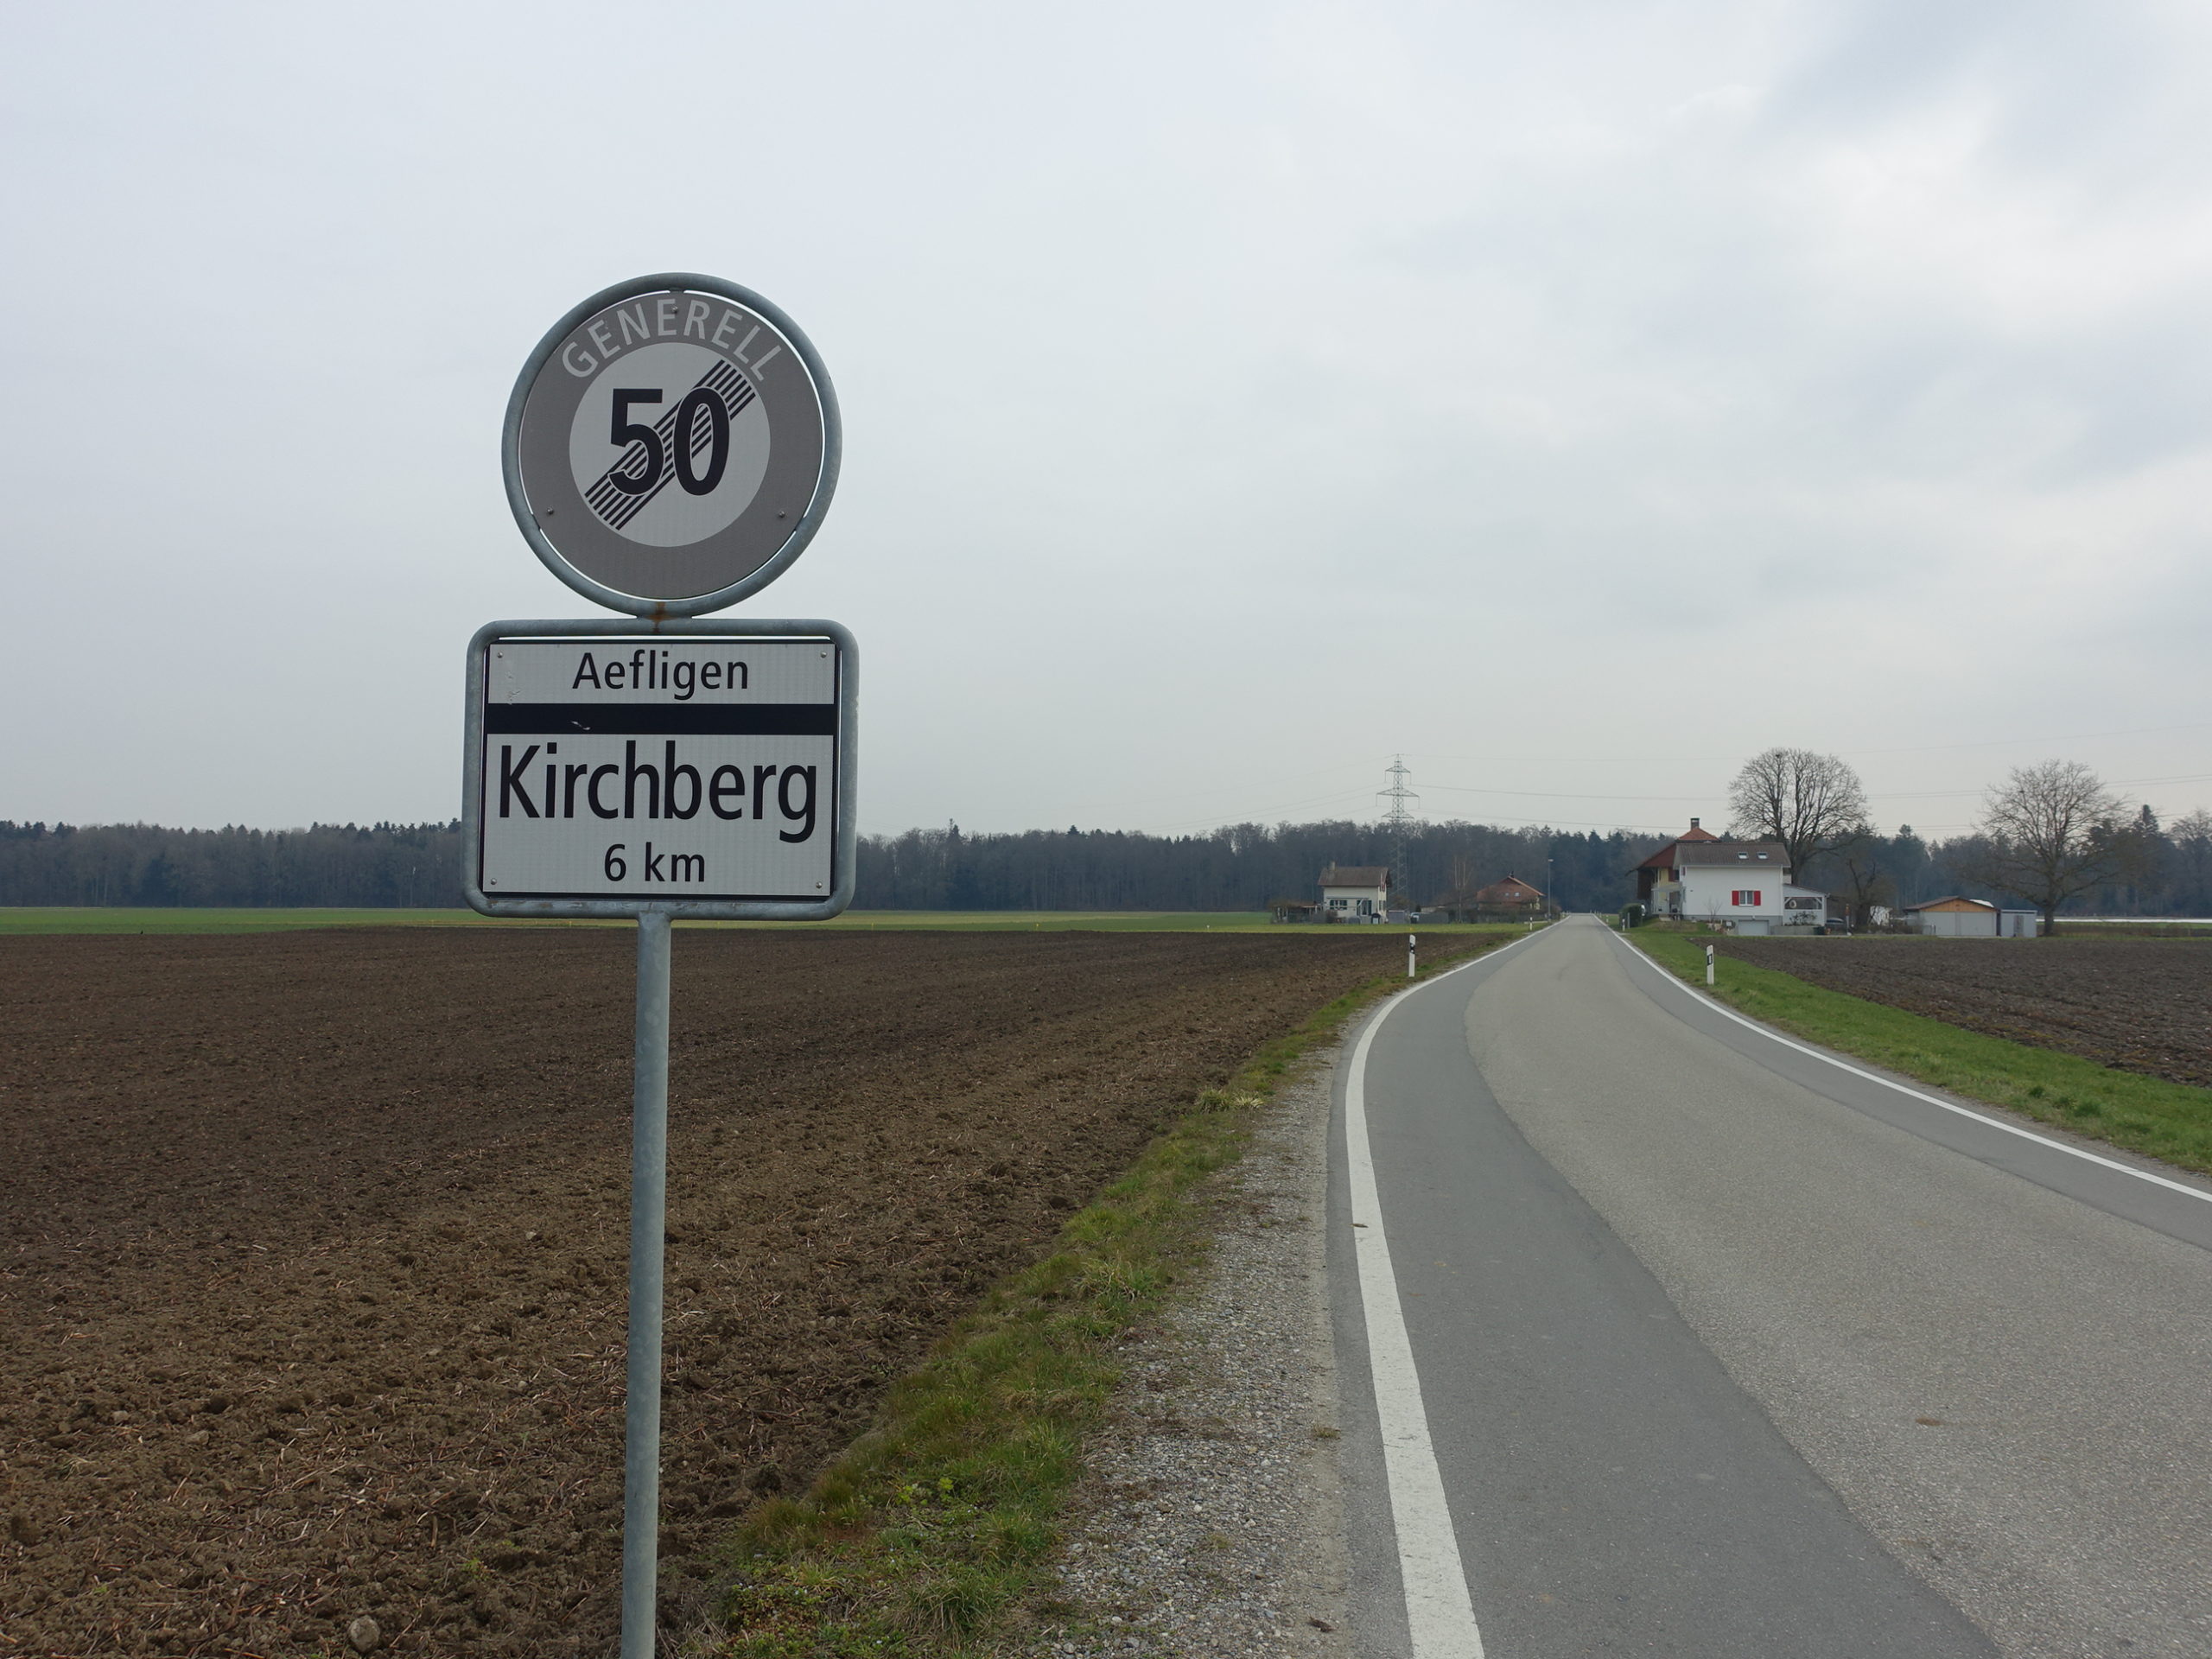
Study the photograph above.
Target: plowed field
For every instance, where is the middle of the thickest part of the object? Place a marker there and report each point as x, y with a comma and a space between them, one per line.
2142, 1005
312, 1245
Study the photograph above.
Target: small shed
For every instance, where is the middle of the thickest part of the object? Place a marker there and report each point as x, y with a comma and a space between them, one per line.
2018, 924
1954, 918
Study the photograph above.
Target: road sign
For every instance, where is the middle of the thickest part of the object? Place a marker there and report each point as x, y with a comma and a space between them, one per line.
670, 448
701, 767
672, 445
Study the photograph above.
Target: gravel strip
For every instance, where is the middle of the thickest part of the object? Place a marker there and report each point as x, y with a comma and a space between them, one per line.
1211, 1523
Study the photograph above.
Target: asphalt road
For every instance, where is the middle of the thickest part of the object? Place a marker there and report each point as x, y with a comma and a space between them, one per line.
1660, 1336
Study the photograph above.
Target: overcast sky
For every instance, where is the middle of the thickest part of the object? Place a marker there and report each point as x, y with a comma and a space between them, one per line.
1576, 398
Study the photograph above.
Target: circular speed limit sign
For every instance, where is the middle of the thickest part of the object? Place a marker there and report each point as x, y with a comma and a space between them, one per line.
672, 445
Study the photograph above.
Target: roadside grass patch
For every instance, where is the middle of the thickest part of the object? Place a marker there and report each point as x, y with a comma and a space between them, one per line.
934, 1531
2169, 1121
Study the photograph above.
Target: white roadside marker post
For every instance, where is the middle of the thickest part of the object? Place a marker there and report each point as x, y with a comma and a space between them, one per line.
1411, 941
1708, 965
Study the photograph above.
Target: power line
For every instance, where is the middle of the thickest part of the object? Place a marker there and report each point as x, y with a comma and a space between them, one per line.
1913, 748
1215, 819
1256, 813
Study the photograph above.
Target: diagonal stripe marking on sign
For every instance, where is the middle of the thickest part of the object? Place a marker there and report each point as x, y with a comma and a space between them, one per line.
615, 507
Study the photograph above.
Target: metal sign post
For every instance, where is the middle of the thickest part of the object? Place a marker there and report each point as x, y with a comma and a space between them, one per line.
648, 1259
670, 448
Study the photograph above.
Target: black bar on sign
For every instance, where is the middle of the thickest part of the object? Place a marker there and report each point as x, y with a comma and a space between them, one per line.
664, 719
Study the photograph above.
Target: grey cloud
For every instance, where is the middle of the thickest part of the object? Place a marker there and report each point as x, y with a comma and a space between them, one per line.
1239, 393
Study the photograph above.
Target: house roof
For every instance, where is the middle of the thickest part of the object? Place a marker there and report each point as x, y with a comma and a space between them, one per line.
1753, 854
1664, 859
1757, 854
1952, 901
1512, 888
1356, 876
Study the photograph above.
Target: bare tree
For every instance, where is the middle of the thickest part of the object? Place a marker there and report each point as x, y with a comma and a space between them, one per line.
1812, 803
1867, 858
2050, 831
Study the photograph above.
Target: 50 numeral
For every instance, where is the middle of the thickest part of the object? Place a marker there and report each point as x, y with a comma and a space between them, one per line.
623, 432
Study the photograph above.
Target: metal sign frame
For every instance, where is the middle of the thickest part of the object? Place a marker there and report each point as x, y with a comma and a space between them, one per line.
844, 830
810, 520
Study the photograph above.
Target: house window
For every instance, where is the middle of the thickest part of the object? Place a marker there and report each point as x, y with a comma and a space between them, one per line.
1745, 896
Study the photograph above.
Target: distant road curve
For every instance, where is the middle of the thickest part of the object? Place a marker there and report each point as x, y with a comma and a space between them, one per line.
1660, 1336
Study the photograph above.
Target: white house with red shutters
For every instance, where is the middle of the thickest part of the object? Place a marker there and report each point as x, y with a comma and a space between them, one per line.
1745, 885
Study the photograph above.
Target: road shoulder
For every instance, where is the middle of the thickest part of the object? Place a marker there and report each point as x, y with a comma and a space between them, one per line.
1210, 1522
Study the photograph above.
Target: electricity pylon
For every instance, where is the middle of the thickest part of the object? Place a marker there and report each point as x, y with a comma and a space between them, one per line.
1398, 815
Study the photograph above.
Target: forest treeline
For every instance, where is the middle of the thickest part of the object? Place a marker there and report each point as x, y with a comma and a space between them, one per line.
1238, 868
1246, 866
384, 866
391, 865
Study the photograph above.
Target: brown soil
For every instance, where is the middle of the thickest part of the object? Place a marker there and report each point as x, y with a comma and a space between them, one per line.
2140, 1005
312, 1245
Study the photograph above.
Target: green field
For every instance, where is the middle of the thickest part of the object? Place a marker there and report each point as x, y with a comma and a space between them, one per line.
2172, 1120
118, 920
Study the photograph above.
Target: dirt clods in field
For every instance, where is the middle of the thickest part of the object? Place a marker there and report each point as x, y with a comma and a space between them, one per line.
2141, 1005
312, 1245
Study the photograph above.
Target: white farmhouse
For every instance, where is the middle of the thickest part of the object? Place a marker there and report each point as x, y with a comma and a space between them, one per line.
1744, 885
1355, 893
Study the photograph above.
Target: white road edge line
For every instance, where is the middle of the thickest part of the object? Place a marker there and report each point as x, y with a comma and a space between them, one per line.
1672, 978
1439, 1613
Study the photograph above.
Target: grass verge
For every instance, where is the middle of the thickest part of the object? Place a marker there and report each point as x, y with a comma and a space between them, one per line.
932, 1534
2169, 1121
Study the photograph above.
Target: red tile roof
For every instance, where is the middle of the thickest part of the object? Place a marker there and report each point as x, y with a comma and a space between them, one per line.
1511, 891
1697, 845
1665, 858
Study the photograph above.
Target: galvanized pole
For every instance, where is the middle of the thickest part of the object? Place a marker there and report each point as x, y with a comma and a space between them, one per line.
648, 1239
